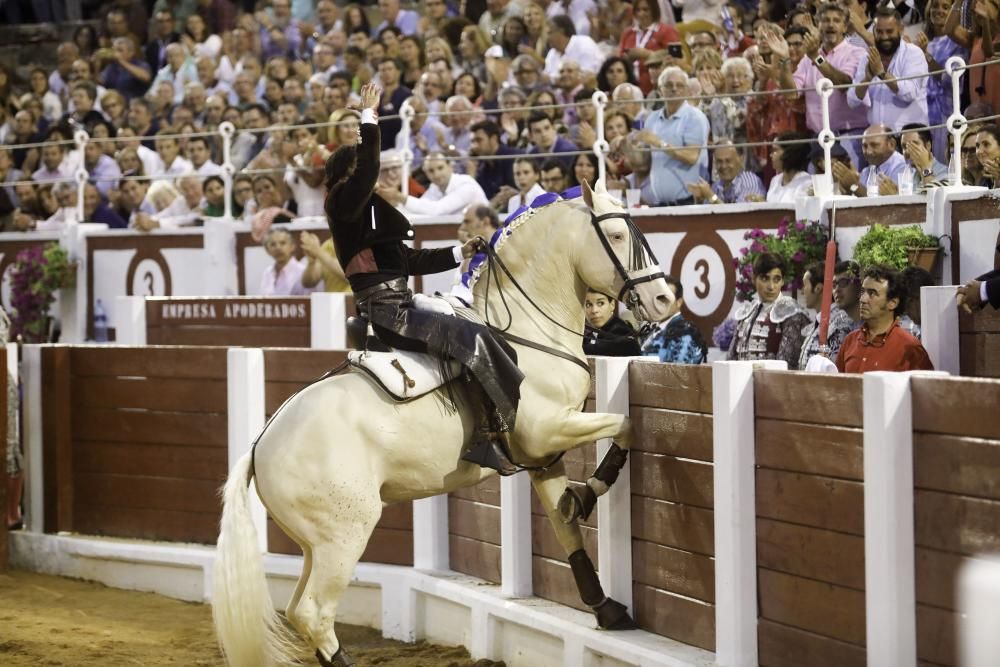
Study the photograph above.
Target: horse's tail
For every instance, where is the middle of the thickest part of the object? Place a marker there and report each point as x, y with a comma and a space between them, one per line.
249, 630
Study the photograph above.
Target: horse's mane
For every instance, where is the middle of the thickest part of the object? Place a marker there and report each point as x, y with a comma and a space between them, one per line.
522, 215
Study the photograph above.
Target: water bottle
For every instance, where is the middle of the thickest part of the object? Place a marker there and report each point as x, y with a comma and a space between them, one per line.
100, 323
871, 184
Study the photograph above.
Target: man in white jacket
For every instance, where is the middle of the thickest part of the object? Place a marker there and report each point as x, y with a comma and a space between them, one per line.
449, 193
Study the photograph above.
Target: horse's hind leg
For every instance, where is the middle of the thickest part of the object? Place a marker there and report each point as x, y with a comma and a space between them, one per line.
611, 615
347, 530
293, 602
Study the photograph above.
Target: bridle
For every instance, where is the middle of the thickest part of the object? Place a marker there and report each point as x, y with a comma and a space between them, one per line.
639, 259
628, 294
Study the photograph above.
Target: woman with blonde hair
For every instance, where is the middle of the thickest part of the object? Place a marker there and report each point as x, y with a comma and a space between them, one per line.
344, 129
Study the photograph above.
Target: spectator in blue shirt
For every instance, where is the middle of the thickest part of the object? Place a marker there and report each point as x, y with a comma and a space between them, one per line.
884, 163
735, 184
545, 139
675, 133
676, 341
128, 74
405, 19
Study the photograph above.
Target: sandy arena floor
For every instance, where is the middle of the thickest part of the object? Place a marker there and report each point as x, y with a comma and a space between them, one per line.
54, 621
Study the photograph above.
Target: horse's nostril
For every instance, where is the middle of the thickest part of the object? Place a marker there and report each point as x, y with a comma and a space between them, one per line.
663, 300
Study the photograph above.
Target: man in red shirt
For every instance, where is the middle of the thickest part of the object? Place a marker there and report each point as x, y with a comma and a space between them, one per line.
880, 345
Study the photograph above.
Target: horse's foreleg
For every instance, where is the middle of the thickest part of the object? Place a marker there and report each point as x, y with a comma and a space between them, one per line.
579, 503
573, 428
611, 615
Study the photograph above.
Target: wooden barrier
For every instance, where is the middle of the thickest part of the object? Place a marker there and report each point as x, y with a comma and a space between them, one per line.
474, 530
230, 321
979, 343
286, 372
810, 519
551, 575
672, 500
956, 460
134, 441
3, 460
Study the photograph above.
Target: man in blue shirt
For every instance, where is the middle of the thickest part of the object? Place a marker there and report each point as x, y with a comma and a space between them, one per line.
669, 131
496, 176
545, 139
884, 163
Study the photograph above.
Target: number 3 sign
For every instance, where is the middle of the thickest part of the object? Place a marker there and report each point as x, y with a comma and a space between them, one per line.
704, 265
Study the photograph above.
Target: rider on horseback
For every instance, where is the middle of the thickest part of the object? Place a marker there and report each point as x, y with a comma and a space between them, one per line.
369, 235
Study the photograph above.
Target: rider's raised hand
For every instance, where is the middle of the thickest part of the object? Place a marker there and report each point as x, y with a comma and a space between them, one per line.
370, 96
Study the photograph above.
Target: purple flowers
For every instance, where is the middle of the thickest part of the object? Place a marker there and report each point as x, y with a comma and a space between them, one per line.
37, 273
799, 244
722, 335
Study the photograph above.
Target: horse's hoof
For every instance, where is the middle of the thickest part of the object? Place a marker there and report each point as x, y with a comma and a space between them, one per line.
575, 504
340, 659
613, 615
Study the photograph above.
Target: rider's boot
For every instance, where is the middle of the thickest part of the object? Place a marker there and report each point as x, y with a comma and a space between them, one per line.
491, 449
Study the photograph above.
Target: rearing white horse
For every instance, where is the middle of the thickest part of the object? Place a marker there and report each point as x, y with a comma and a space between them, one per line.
341, 449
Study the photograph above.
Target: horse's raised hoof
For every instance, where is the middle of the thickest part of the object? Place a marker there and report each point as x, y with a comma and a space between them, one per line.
575, 504
340, 659
613, 615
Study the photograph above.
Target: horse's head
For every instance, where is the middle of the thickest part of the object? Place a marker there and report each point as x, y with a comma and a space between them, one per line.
617, 259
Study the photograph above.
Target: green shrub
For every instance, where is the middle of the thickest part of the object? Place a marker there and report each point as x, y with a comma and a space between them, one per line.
887, 246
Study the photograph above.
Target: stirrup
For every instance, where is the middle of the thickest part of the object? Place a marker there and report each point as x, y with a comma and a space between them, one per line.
490, 452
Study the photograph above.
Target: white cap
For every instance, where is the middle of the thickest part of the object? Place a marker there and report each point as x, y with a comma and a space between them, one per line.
495, 51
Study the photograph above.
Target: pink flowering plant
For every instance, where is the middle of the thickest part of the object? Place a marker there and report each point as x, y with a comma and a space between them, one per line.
37, 273
800, 244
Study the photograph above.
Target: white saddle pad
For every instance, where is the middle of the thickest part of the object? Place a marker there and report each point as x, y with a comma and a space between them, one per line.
404, 375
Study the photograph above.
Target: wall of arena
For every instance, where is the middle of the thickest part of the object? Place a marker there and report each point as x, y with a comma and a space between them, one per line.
766, 517
738, 530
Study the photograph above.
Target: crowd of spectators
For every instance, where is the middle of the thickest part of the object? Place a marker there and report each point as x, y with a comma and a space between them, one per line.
489, 80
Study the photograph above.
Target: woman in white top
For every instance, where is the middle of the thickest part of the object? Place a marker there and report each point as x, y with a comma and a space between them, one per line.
526, 178
198, 40
791, 162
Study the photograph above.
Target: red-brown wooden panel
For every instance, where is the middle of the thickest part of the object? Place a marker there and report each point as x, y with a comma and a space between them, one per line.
686, 620
824, 555
816, 449
673, 525
169, 362
671, 478
475, 558
3, 459
672, 386
545, 544
246, 336
957, 524
486, 492
810, 500
684, 434
57, 439
134, 459
784, 646
807, 397
153, 427
936, 636
956, 406
954, 464
474, 520
553, 580
986, 320
825, 609
146, 524
151, 493
297, 365
673, 570
979, 355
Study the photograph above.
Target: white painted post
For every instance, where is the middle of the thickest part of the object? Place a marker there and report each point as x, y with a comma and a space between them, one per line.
614, 508
130, 320
430, 539
515, 536
245, 401
978, 602
34, 492
890, 587
328, 320
939, 327
734, 457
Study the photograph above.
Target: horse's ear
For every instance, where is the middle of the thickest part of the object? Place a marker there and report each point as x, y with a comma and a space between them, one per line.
588, 194
601, 188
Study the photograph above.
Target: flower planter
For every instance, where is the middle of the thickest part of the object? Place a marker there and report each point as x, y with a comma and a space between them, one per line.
69, 278
923, 258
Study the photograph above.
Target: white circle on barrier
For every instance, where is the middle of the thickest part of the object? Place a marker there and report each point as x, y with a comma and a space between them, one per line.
148, 279
704, 279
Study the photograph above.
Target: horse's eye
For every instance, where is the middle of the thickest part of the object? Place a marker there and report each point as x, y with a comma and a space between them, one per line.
618, 237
